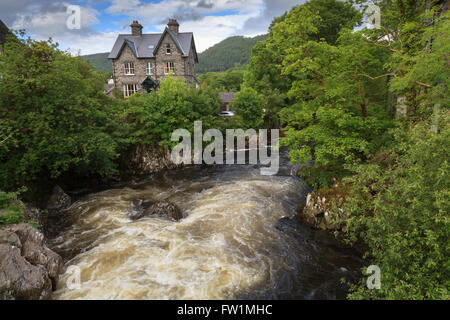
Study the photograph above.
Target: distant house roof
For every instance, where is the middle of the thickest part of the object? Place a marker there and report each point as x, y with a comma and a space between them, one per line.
146, 45
227, 97
3, 32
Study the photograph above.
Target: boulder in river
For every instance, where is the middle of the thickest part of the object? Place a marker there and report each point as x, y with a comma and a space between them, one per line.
29, 270
161, 208
59, 200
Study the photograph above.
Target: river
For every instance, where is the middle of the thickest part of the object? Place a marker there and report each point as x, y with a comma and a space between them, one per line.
235, 242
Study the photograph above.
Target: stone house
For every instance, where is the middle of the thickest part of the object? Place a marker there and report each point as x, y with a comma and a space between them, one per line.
140, 60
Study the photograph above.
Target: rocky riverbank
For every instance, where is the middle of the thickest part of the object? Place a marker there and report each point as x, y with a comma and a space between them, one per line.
29, 269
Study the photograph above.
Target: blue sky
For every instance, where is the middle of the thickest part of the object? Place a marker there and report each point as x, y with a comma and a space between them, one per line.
101, 20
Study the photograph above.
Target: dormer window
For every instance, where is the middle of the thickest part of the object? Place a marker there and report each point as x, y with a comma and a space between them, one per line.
129, 69
168, 49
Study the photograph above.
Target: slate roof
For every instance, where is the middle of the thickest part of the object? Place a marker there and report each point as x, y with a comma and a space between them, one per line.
145, 46
3, 32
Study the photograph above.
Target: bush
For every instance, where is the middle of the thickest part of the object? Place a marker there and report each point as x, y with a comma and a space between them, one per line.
11, 211
54, 117
399, 207
248, 106
151, 118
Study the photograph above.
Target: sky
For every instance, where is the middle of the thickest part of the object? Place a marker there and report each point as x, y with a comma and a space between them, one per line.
101, 21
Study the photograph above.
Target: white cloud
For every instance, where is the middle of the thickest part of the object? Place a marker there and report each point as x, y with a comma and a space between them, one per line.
272, 9
43, 24
95, 43
47, 18
184, 10
213, 29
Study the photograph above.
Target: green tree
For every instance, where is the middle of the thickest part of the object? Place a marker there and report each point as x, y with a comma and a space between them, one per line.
54, 117
318, 19
248, 105
229, 81
151, 118
338, 114
399, 208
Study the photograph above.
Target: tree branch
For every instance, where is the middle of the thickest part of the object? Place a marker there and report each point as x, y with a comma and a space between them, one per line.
4, 140
374, 78
426, 85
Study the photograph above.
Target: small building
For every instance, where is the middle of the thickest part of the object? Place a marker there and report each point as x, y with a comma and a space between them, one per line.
141, 60
227, 98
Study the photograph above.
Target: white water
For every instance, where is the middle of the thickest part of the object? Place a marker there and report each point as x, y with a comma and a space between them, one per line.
228, 246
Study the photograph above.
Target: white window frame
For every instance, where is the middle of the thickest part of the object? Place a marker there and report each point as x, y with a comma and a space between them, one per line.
169, 66
151, 69
168, 49
128, 68
130, 89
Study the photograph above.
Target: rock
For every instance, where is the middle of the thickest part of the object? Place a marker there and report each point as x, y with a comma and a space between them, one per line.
57, 217
162, 208
320, 211
146, 159
59, 200
32, 214
29, 270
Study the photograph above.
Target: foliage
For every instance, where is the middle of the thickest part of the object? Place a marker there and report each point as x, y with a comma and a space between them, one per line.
54, 117
100, 62
335, 16
304, 23
11, 212
151, 118
335, 95
399, 207
338, 115
248, 107
229, 81
233, 52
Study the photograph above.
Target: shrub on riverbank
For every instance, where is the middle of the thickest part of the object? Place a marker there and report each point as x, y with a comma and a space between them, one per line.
151, 118
54, 117
11, 212
399, 207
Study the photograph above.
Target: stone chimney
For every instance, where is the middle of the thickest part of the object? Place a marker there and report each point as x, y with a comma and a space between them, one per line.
173, 26
136, 28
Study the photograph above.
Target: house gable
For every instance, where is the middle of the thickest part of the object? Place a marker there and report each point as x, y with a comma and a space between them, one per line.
164, 40
131, 46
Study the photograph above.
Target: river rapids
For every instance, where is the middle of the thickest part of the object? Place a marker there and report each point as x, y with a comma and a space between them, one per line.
236, 241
